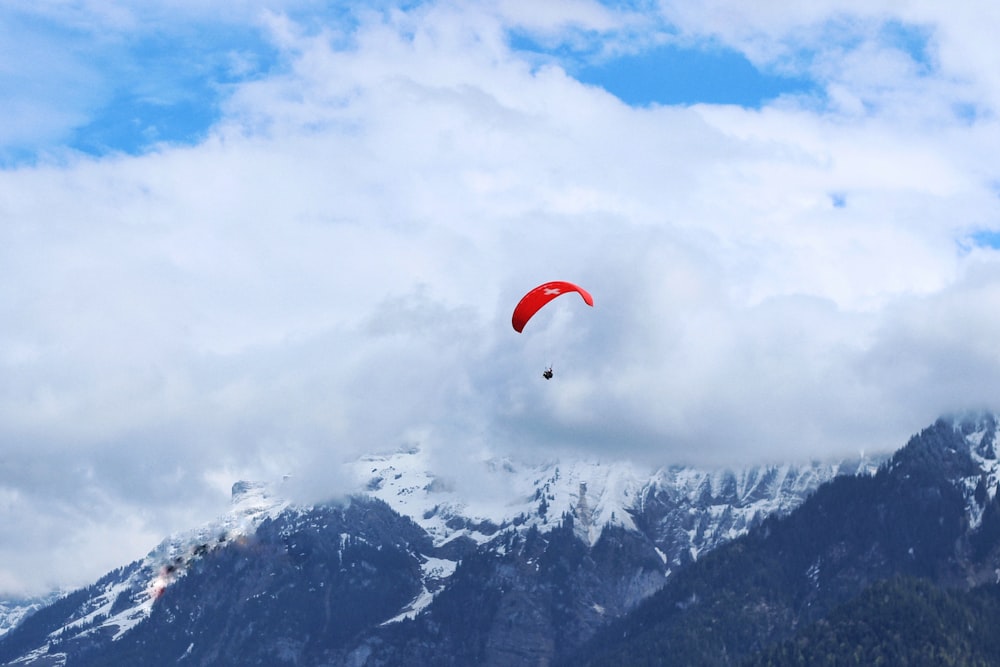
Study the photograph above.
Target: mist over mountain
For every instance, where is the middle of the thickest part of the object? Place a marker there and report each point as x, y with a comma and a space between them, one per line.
570, 562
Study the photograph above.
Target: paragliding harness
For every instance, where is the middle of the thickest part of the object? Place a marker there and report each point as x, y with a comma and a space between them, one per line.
547, 373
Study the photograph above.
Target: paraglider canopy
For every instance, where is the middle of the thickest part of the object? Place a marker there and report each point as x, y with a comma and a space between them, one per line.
533, 301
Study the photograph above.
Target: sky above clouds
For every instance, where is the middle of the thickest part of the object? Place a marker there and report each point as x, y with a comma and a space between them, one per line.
247, 239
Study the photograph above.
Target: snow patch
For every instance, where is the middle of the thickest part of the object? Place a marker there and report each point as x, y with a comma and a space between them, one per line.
435, 570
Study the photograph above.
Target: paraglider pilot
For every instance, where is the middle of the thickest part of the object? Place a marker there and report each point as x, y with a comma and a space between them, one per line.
547, 373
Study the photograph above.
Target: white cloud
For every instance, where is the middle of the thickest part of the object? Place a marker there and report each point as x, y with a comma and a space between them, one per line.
332, 271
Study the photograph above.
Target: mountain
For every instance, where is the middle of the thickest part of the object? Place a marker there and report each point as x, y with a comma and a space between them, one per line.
15, 609
930, 513
411, 570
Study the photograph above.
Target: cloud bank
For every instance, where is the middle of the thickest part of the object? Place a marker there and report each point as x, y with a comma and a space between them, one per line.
328, 267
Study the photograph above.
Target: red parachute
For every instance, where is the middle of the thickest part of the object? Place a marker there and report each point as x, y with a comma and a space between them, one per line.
533, 301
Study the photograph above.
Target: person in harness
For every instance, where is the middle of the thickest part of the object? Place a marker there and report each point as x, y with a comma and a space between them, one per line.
547, 373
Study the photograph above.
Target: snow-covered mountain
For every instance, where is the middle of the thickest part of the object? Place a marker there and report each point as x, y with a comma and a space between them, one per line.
14, 610
670, 516
125, 597
899, 567
525, 564
685, 510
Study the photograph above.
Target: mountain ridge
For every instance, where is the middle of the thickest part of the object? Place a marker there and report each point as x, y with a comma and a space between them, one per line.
662, 519
928, 513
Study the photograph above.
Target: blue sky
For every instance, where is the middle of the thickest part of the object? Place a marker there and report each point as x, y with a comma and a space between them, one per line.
247, 239
168, 84
703, 75
169, 89
128, 91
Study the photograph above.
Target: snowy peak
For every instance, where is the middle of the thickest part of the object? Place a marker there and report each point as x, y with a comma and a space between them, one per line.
690, 510
718, 503
252, 503
14, 610
505, 494
125, 597
594, 494
756, 484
